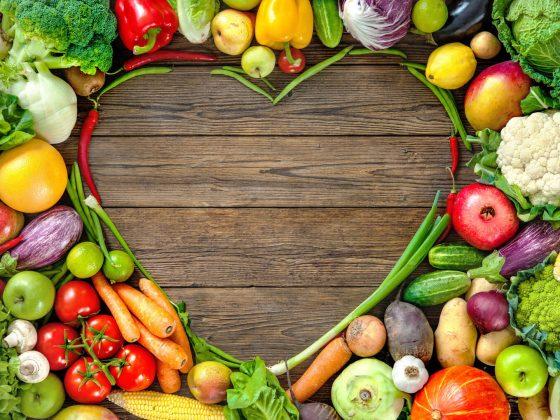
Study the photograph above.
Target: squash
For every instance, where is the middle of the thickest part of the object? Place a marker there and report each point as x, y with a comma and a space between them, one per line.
461, 393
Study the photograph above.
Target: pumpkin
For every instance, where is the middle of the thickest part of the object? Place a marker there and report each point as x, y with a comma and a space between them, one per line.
460, 393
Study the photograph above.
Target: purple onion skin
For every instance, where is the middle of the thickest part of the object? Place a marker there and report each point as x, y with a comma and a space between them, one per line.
47, 238
530, 246
488, 311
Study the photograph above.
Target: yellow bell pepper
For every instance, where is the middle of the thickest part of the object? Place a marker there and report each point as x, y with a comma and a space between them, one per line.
284, 21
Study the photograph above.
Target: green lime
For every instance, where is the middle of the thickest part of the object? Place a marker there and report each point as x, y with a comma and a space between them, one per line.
120, 268
84, 260
429, 15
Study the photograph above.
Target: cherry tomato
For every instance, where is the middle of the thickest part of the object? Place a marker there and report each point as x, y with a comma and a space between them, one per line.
291, 68
85, 382
76, 299
103, 335
59, 343
137, 370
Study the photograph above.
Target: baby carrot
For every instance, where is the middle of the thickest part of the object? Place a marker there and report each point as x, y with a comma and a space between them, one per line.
154, 318
118, 309
163, 349
152, 290
169, 379
330, 360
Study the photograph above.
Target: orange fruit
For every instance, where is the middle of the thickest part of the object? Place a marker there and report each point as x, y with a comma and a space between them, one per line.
33, 177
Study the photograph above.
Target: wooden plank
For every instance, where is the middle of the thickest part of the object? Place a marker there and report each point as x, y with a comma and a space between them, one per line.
341, 101
270, 171
268, 247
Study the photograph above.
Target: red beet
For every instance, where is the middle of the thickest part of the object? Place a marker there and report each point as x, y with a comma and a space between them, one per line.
484, 216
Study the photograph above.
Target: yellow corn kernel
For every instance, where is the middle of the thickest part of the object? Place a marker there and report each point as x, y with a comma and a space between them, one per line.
152, 405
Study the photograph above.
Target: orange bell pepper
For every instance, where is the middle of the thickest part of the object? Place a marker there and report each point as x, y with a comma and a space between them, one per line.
284, 21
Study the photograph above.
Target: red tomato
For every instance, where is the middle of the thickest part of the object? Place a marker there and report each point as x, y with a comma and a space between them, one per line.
58, 343
291, 68
75, 299
103, 335
86, 383
137, 370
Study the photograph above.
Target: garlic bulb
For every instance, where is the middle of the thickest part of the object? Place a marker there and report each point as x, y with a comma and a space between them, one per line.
410, 374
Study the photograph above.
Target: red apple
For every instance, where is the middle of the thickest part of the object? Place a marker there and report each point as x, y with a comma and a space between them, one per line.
484, 216
494, 96
11, 223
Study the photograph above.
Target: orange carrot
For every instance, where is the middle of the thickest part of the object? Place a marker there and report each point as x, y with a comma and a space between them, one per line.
330, 360
163, 349
118, 309
154, 318
169, 379
150, 289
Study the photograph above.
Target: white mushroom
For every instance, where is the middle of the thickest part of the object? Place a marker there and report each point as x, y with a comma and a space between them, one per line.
21, 335
33, 367
409, 374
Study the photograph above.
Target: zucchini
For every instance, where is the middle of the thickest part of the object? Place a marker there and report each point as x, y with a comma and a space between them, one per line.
437, 287
455, 257
328, 23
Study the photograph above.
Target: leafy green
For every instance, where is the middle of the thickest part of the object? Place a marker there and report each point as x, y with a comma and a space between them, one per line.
530, 32
8, 265
484, 164
257, 394
16, 124
538, 100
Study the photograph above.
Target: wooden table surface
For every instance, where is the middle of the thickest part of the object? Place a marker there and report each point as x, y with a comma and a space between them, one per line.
272, 222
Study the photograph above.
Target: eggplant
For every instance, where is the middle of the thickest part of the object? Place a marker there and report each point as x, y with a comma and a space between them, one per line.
47, 238
466, 18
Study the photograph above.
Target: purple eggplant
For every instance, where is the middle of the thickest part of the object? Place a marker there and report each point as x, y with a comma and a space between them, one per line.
47, 238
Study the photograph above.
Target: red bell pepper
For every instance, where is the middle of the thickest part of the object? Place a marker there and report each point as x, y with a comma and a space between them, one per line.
145, 25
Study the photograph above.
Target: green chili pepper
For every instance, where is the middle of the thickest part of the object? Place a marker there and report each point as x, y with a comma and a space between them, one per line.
243, 81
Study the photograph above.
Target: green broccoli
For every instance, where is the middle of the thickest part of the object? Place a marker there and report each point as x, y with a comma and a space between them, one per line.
60, 33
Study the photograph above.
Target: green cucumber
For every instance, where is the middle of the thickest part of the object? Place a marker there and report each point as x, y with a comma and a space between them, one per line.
437, 287
328, 23
455, 257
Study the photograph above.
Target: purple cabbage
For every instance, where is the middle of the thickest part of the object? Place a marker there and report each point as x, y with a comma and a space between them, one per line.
47, 238
377, 24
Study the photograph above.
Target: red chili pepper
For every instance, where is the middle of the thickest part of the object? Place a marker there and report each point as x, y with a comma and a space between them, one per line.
455, 157
6, 246
450, 204
166, 55
83, 151
145, 25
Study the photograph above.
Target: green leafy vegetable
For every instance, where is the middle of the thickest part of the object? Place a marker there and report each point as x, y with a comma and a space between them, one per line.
16, 124
8, 265
538, 100
257, 394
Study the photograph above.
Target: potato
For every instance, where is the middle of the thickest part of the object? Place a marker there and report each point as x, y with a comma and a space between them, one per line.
480, 285
536, 407
485, 45
491, 344
455, 335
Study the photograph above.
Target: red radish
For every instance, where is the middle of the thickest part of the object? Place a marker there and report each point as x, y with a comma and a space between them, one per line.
11, 223
484, 217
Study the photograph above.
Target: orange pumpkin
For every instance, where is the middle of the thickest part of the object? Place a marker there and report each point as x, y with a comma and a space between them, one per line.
460, 393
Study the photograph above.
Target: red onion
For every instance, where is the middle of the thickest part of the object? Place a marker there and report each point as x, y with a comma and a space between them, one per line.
488, 311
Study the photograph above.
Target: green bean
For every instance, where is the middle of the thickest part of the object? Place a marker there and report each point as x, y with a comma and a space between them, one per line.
234, 69
310, 72
243, 81
386, 51
417, 66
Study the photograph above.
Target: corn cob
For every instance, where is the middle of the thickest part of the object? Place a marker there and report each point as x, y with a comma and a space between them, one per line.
152, 405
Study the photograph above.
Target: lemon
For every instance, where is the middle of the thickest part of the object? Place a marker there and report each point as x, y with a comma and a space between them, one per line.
33, 177
451, 66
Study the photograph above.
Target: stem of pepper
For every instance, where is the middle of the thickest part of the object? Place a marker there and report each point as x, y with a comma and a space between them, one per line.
288, 52
151, 38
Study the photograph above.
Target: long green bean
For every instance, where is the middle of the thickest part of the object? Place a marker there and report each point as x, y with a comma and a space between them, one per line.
243, 81
386, 51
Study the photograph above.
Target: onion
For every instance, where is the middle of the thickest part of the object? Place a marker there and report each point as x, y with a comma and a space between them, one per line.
488, 311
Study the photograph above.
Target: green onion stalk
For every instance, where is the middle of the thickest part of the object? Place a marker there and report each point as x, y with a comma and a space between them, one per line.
423, 240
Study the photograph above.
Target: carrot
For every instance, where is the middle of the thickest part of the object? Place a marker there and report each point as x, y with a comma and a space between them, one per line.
118, 309
169, 379
330, 360
154, 318
163, 349
152, 290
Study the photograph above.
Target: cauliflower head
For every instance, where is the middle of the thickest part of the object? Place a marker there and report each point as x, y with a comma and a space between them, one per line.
529, 156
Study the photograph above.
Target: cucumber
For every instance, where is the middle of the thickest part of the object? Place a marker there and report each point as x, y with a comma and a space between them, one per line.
437, 287
328, 23
455, 257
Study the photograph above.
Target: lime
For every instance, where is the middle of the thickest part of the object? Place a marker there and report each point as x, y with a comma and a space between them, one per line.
120, 268
429, 15
84, 260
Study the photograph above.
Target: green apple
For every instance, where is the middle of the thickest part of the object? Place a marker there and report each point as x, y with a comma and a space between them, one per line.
29, 295
258, 61
242, 4
521, 371
43, 400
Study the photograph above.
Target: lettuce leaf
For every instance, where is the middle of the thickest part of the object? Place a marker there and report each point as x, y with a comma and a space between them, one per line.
16, 124
538, 100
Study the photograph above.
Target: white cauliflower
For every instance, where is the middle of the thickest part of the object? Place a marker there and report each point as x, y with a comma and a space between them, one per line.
529, 156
